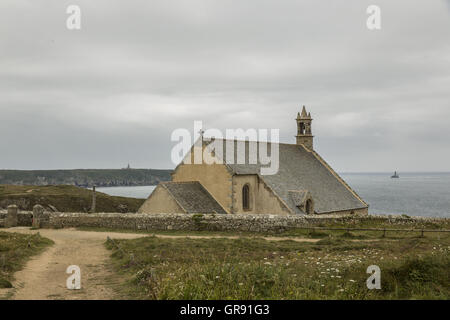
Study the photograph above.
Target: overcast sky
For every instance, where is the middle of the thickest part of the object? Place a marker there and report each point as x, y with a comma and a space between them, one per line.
112, 92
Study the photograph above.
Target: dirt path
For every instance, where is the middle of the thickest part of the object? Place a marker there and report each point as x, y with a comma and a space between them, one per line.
44, 276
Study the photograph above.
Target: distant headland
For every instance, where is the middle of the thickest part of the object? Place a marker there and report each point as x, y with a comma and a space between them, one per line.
85, 177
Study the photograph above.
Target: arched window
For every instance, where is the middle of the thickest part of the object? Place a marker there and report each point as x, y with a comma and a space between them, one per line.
246, 197
309, 206
302, 128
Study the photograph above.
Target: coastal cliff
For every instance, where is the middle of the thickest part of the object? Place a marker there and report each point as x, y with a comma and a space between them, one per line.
85, 177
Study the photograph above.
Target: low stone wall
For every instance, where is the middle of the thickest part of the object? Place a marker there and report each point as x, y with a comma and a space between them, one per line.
23, 218
230, 222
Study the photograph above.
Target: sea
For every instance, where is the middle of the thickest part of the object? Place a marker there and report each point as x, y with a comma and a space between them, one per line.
413, 194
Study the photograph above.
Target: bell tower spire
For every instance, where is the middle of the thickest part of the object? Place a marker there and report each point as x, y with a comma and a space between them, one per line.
304, 132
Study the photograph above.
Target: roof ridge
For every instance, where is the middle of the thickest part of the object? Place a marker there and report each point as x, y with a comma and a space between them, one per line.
167, 182
257, 141
207, 193
173, 196
279, 198
212, 197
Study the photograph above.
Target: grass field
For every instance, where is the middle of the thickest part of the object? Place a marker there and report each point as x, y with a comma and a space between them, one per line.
64, 198
15, 249
412, 267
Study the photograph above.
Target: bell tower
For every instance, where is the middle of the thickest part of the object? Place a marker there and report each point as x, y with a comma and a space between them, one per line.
304, 133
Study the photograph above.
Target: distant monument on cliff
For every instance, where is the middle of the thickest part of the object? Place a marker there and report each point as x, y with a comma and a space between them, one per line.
127, 168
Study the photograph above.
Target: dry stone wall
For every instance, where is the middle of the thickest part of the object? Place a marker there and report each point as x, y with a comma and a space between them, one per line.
188, 222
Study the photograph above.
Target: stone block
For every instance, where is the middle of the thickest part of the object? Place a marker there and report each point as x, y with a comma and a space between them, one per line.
38, 212
11, 216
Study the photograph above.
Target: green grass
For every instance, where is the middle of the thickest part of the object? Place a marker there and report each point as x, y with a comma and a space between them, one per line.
65, 198
173, 232
252, 268
15, 250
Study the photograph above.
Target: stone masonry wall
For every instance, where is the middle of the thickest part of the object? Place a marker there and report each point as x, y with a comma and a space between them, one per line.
23, 218
187, 222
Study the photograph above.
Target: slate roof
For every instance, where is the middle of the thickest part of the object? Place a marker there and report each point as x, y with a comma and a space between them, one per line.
299, 169
193, 197
298, 197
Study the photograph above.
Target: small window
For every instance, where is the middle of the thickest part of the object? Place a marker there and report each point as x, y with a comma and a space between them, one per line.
246, 197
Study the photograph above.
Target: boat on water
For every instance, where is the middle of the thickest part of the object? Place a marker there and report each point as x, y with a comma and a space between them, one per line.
395, 176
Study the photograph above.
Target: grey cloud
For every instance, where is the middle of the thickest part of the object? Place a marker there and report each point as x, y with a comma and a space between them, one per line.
113, 91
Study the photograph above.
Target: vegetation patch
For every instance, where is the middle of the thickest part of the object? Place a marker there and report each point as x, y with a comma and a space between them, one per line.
315, 234
352, 235
64, 198
5, 284
254, 268
15, 250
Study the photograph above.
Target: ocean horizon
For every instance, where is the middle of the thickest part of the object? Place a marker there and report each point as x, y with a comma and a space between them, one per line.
425, 194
